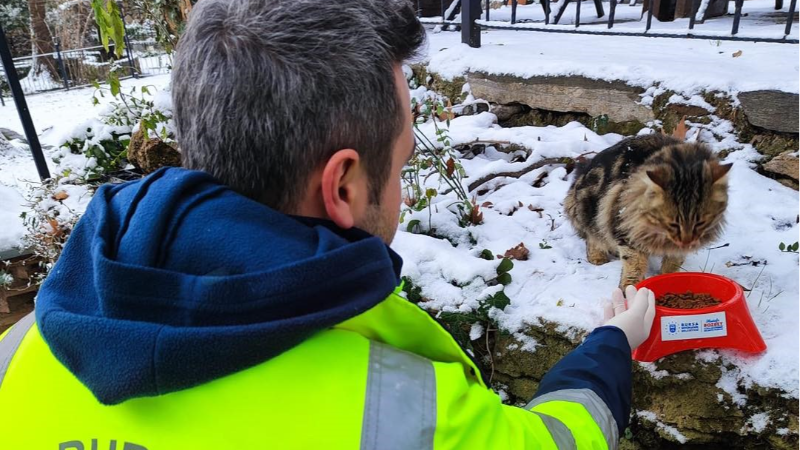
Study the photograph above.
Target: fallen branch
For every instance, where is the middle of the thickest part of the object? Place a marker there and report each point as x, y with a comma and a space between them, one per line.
538, 164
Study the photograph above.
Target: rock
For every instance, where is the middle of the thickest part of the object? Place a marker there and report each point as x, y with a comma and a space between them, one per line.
151, 154
11, 135
687, 110
5, 146
773, 110
564, 94
505, 112
783, 168
475, 108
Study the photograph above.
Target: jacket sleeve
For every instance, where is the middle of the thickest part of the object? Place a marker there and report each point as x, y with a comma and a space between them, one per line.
583, 402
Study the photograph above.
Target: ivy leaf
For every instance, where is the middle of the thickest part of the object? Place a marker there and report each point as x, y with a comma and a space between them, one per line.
505, 266
499, 300
504, 279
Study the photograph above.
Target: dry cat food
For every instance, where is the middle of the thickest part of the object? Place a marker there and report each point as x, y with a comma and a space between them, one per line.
687, 300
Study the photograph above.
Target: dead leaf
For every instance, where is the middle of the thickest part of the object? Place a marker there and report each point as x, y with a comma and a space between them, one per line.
539, 181
737, 54
451, 167
56, 228
519, 252
447, 114
476, 216
680, 130
487, 204
585, 138
61, 195
520, 205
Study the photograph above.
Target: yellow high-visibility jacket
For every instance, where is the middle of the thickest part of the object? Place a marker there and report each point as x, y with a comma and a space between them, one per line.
390, 378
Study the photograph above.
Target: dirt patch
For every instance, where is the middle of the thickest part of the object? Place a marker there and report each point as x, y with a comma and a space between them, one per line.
687, 300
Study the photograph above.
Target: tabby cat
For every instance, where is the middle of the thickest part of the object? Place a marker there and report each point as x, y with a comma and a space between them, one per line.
648, 195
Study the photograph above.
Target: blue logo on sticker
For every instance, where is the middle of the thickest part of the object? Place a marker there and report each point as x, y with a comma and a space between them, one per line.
673, 328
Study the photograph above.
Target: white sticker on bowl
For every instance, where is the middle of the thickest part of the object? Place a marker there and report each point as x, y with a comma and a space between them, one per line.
678, 328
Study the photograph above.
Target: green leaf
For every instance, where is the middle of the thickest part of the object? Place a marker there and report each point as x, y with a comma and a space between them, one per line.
487, 254
95, 101
412, 224
782, 247
505, 266
113, 82
430, 192
499, 300
795, 246
145, 90
95, 84
504, 279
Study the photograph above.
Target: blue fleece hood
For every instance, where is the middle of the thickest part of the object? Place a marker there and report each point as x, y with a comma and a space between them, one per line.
175, 280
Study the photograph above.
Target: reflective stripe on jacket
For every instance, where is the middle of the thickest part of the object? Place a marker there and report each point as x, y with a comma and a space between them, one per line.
390, 378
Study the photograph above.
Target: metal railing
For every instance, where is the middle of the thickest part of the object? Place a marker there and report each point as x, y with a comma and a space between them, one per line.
472, 22
81, 67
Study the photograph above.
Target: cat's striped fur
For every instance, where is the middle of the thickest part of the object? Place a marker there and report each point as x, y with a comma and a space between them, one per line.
648, 195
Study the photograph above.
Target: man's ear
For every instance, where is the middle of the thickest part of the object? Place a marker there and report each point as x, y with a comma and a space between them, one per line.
344, 188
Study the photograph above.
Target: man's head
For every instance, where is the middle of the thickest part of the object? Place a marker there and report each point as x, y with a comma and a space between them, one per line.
300, 104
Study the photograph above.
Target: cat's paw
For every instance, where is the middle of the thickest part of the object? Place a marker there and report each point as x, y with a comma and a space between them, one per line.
629, 281
598, 259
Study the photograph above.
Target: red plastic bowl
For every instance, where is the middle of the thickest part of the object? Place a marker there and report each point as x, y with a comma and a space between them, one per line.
727, 325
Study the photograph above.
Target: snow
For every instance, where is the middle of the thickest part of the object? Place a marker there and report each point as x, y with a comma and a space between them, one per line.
672, 431
56, 116
476, 331
758, 422
681, 65
12, 204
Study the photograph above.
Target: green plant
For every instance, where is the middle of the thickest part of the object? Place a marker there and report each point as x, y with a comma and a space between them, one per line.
544, 245
789, 248
49, 223
431, 159
107, 146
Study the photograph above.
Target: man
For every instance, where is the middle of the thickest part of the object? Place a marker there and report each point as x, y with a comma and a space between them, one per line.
240, 305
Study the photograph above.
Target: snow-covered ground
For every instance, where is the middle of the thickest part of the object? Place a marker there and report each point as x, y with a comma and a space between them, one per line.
557, 284
55, 116
687, 66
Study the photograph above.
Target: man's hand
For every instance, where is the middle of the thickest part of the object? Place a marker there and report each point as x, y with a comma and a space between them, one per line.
635, 319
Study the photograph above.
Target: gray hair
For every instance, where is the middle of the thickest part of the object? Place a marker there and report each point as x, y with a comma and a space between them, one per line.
265, 91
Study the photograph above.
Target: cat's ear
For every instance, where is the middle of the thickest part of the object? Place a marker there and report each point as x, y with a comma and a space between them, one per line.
658, 176
718, 171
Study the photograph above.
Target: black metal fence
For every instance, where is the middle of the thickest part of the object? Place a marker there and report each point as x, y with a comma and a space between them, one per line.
474, 19
65, 69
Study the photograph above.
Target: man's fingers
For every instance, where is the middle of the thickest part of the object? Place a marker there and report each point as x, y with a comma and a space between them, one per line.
618, 301
651, 311
630, 293
608, 311
638, 304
